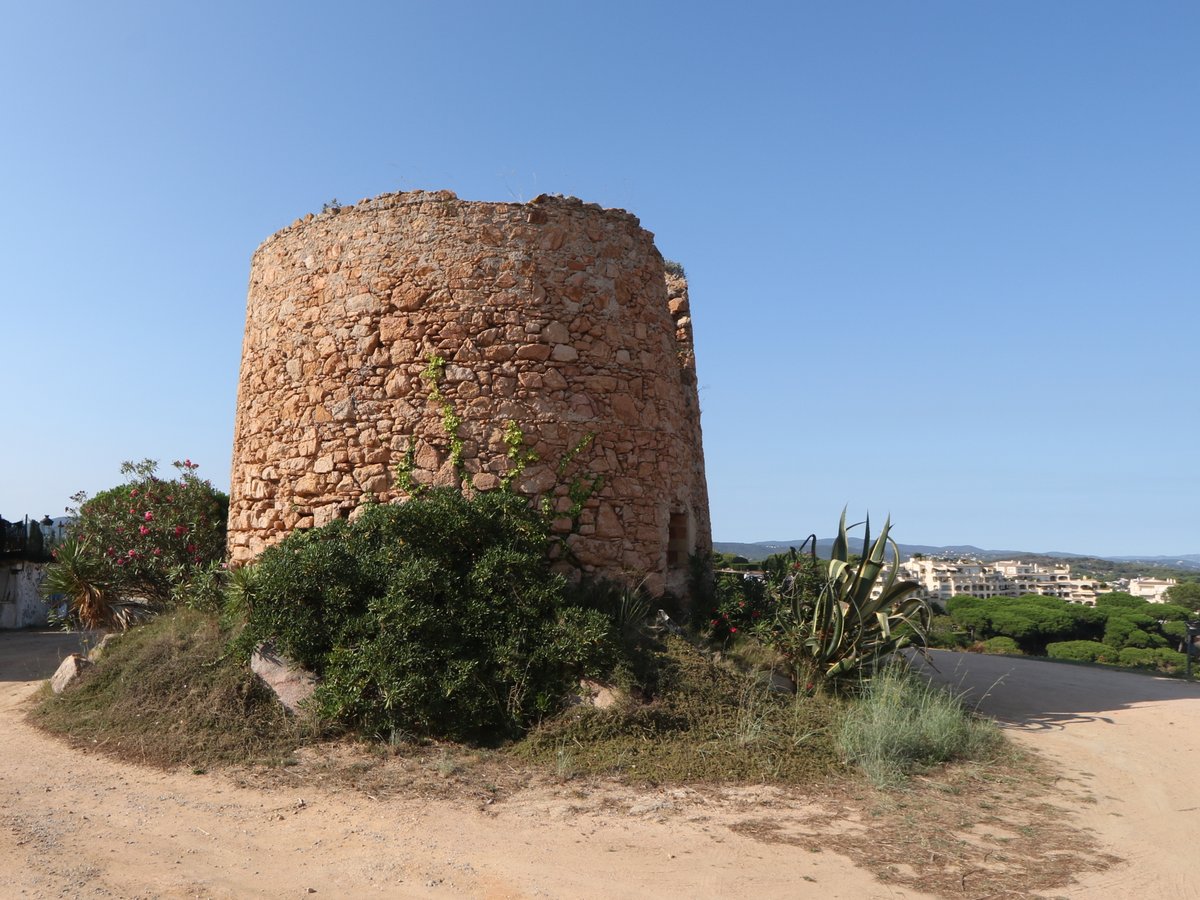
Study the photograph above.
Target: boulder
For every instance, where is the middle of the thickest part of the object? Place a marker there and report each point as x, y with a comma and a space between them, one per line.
601, 696
291, 683
97, 651
68, 671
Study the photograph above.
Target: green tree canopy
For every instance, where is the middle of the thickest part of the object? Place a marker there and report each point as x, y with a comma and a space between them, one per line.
1186, 593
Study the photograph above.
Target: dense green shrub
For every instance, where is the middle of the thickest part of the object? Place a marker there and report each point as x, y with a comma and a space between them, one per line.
944, 632
1081, 651
439, 616
1158, 658
145, 538
1032, 620
1000, 645
740, 603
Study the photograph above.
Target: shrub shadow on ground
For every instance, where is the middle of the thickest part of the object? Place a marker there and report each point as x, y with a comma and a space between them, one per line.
1035, 694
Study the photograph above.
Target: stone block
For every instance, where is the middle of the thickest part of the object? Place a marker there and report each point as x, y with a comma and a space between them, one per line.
290, 683
68, 672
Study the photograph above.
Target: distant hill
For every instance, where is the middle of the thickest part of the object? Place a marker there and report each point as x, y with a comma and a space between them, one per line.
1103, 567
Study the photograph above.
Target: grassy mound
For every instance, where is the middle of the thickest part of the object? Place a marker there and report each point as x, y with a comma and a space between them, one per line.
701, 722
172, 693
168, 693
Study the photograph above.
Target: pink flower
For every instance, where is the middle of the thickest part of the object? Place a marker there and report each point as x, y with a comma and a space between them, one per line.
190, 548
149, 517
133, 493
133, 554
143, 531
158, 551
180, 530
733, 631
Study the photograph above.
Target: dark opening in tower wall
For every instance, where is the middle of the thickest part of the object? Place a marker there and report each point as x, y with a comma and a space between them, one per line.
678, 543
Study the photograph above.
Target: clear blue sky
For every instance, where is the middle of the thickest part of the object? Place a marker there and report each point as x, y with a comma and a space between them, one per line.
944, 257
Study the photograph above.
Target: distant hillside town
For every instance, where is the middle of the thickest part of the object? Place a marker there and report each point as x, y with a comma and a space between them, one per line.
941, 579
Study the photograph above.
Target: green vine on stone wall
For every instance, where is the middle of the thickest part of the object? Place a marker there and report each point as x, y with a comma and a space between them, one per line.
404, 473
519, 456
451, 420
581, 489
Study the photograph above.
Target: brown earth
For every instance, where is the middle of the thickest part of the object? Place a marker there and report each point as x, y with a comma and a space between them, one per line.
1130, 742
75, 823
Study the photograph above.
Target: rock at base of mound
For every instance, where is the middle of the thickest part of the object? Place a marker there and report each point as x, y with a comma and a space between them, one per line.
291, 684
68, 671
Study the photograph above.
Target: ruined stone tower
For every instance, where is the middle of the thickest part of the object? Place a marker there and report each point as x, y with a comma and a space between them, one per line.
554, 315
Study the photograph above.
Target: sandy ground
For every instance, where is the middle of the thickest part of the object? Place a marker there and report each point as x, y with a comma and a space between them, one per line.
76, 824
1130, 740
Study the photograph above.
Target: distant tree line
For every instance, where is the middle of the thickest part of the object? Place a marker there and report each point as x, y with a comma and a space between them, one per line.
1120, 629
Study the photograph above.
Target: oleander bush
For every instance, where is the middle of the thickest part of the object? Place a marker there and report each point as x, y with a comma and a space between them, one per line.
140, 546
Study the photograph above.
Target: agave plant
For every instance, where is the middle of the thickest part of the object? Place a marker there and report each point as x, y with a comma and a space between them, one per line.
853, 621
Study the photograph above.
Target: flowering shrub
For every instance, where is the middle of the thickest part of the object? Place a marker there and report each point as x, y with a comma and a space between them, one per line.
740, 604
152, 534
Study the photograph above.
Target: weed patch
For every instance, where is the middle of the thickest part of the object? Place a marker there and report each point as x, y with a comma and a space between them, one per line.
699, 721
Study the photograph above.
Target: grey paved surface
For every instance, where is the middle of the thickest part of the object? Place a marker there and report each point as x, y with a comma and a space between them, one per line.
32, 655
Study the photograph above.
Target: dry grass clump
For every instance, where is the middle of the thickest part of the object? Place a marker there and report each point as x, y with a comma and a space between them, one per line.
901, 724
696, 720
167, 693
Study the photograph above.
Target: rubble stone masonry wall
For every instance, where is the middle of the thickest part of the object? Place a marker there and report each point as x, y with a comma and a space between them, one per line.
555, 314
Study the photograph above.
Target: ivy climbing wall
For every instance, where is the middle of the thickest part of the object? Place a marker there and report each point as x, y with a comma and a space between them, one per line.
416, 339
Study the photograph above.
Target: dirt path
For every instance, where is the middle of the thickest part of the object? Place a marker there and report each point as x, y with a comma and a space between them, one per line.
76, 824
1132, 741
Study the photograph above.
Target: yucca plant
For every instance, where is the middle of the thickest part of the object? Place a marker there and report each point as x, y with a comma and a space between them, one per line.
91, 590
852, 622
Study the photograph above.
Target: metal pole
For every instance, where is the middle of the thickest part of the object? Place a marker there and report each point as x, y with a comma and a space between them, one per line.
1193, 629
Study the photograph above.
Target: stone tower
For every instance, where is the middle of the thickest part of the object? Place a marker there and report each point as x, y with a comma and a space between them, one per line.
554, 315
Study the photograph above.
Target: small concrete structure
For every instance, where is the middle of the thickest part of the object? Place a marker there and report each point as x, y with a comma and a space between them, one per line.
21, 603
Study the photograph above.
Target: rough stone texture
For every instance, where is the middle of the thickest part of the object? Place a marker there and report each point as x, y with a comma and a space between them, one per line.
101, 647
291, 684
555, 314
69, 670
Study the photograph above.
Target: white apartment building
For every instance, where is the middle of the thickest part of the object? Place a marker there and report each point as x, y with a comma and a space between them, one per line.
1152, 589
941, 579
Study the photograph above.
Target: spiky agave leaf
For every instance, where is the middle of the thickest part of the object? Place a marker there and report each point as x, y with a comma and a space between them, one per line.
846, 630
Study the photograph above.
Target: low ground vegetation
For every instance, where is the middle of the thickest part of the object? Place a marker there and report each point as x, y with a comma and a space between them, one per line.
441, 620
169, 693
444, 621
